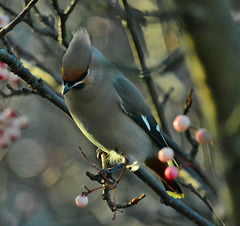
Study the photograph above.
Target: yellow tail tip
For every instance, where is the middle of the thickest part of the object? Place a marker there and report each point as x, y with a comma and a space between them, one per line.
176, 195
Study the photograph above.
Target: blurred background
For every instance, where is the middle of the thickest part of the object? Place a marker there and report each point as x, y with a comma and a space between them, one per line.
43, 171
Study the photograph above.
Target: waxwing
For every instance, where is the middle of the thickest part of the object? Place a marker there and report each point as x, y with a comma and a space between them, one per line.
110, 111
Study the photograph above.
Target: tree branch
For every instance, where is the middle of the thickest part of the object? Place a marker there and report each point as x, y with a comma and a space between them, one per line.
43, 31
194, 190
170, 201
18, 19
36, 84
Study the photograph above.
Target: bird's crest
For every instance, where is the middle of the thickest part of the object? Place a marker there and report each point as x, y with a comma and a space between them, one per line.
77, 57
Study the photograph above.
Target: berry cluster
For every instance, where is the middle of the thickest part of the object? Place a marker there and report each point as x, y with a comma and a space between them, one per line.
181, 123
10, 126
164, 155
5, 74
8, 76
10, 123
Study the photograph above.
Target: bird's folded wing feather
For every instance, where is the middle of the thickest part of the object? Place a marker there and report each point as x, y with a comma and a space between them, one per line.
134, 105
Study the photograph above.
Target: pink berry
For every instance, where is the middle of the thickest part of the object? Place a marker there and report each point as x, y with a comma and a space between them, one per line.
14, 78
4, 141
171, 173
4, 74
10, 113
81, 200
15, 122
203, 136
23, 121
165, 154
13, 133
181, 123
3, 65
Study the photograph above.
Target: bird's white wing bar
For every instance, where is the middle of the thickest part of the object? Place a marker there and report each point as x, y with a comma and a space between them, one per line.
144, 118
138, 109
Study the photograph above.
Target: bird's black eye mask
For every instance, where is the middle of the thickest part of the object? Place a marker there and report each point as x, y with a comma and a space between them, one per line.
67, 85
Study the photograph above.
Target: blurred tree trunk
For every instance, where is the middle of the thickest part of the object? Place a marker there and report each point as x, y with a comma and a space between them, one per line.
217, 45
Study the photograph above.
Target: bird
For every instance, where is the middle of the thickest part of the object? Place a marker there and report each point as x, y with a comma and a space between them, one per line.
110, 111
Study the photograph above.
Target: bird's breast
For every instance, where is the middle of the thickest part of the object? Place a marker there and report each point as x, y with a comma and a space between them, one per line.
106, 125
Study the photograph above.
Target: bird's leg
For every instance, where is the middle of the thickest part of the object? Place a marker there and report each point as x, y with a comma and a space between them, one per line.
108, 171
115, 168
93, 165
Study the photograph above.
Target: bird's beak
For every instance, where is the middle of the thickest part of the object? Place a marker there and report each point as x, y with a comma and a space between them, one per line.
66, 88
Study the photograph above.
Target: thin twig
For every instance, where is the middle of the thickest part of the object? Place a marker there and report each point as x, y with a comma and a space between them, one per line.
93, 165
145, 71
192, 141
183, 155
43, 31
161, 15
166, 96
24, 54
188, 102
18, 19
172, 61
194, 190
194, 144
154, 13
47, 20
7, 45
18, 92
71, 7
63, 16
110, 203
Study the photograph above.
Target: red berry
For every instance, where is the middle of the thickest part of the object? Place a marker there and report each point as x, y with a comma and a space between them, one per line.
165, 154
181, 123
10, 113
171, 173
203, 136
81, 200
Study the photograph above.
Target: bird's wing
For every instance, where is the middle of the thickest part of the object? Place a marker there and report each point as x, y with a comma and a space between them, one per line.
134, 105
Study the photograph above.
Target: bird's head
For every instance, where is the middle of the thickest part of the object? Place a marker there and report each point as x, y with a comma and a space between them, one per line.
75, 64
